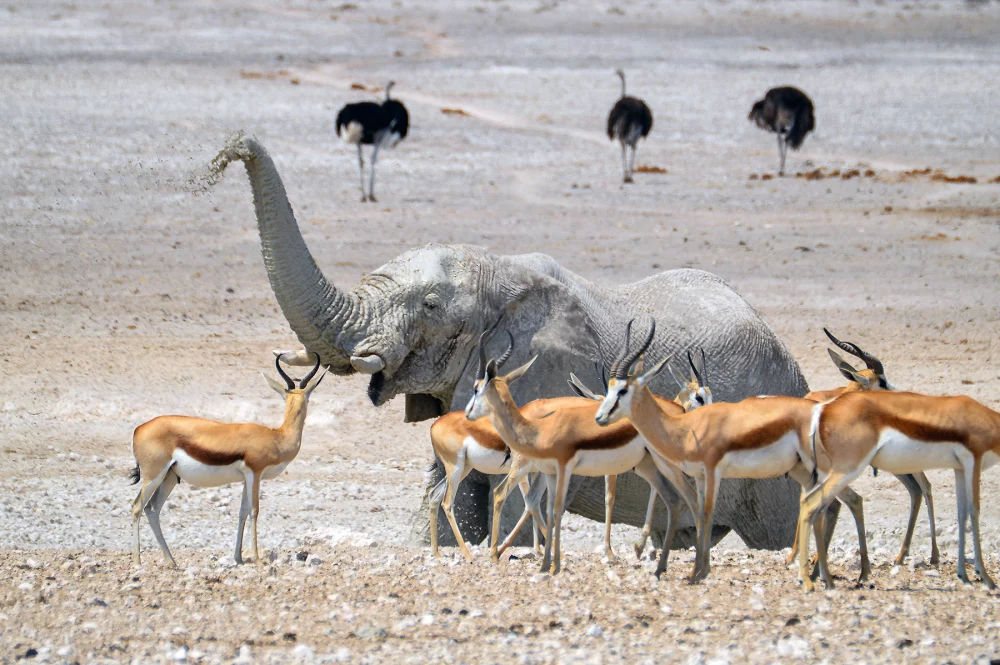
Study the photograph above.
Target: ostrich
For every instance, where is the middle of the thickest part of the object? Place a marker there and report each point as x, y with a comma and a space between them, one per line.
374, 124
788, 112
630, 119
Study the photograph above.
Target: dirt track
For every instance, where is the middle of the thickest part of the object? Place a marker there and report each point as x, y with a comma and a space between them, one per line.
127, 295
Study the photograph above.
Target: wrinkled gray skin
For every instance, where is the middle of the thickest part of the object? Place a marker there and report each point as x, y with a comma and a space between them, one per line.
414, 324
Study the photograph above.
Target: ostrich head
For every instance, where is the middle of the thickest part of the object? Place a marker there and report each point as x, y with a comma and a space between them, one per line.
388, 87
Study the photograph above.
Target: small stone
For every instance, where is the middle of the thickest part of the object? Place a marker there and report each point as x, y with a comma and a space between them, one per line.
427, 619
594, 630
895, 571
31, 563
303, 652
31, 653
180, 655
314, 560
540, 577
301, 556
64, 652
932, 573
793, 647
756, 604
342, 655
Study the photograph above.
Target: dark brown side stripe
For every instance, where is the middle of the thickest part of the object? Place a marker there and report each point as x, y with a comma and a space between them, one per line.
210, 457
611, 437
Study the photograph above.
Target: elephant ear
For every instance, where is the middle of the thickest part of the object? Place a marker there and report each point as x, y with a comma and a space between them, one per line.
546, 320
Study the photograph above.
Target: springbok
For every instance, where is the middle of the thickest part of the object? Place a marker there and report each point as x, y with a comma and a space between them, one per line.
464, 446
759, 437
916, 484
693, 392
902, 433
566, 441
207, 453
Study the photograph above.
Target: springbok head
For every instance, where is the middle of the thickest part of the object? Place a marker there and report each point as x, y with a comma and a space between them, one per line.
870, 378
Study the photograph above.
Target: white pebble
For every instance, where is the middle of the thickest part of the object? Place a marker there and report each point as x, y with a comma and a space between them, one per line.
303, 652
595, 630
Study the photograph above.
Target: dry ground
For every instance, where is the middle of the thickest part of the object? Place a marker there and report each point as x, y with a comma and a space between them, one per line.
124, 295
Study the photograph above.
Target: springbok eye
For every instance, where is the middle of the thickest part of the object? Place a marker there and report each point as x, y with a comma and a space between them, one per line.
699, 399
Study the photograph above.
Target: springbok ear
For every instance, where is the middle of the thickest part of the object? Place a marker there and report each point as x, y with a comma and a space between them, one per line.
491, 371
580, 389
519, 372
644, 378
277, 386
637, 367
313, 382
845, 368
679, 379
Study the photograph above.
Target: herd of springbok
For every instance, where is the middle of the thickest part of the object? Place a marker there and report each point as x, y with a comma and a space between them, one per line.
824, 441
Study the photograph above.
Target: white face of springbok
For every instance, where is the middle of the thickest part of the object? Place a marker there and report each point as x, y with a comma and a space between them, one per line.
488, 377
871, 378
617, 403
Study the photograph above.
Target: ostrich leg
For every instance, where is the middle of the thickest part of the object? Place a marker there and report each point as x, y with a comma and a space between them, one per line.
782, 148
361, 170
625, 174
371, 182
631, 167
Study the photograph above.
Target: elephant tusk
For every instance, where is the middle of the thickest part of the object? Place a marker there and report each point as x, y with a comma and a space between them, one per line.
367, 364
301, 358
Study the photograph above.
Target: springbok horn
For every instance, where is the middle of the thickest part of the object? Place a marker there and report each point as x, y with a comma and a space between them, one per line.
506, 354
311, 374
639, 351
873, 363
615, 368
288, 381
697, 375
482, 354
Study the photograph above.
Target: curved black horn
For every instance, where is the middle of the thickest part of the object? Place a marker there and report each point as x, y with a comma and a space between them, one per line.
482, 354
288, 381
632, 357
697, 374
506, 354
311, 374
873, 363
618, 361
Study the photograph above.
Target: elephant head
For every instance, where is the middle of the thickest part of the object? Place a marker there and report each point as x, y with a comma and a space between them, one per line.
412, 324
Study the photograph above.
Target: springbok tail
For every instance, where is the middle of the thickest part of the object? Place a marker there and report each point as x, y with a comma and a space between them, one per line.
134, 475
437, 494
813, 435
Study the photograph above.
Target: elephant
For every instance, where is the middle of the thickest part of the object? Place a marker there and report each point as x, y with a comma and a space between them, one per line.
413, 325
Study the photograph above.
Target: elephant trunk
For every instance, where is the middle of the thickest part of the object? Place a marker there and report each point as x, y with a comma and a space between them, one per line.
326, 320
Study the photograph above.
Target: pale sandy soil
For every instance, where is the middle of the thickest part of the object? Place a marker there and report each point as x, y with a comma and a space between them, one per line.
124, 295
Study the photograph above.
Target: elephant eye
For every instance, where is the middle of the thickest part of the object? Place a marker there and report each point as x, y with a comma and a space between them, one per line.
431, 302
